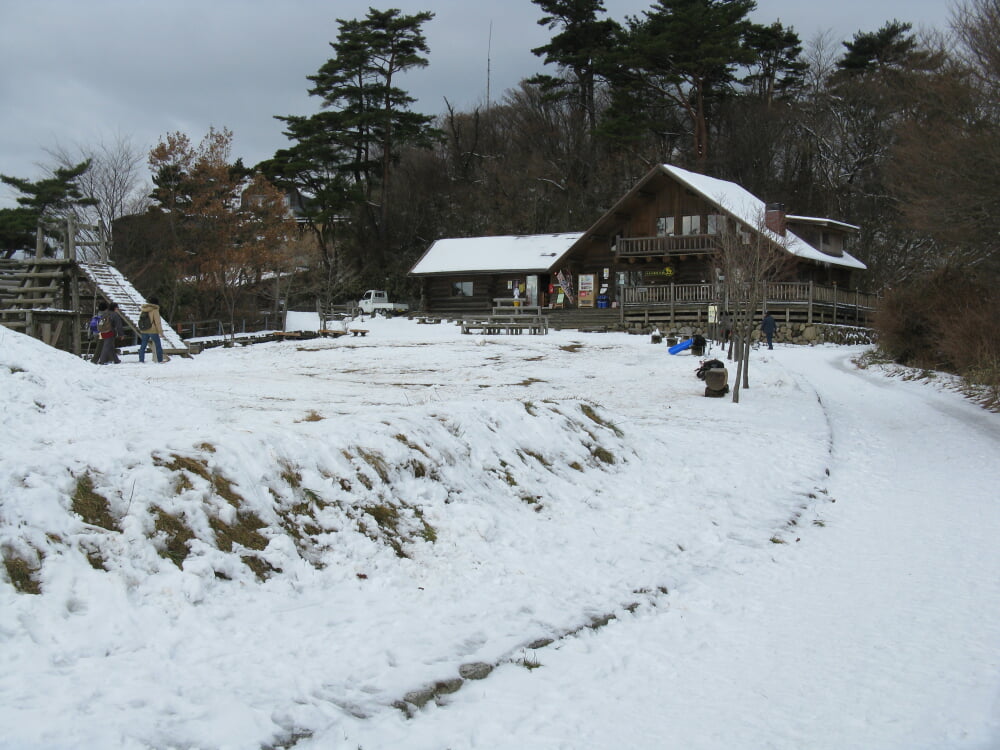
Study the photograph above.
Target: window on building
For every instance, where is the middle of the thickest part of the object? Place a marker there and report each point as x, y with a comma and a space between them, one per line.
665, 226
461, 289
691, 225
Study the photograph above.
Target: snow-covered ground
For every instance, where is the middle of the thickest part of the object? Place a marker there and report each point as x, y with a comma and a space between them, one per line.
359, 521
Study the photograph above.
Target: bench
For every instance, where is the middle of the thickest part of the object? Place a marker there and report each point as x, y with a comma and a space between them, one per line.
522, 310
331, 334
358, 331
509, 324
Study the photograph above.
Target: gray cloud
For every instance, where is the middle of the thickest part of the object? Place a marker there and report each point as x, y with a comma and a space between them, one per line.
78, 73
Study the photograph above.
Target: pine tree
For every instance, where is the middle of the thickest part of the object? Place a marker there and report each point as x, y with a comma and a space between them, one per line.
44, 199
581, 50
343, 157
686, 51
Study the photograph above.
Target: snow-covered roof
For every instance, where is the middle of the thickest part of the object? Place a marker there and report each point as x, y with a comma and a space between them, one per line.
749, 209
530, 252
819, 221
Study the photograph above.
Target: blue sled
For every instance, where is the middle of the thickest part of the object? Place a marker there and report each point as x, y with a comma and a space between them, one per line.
678, 348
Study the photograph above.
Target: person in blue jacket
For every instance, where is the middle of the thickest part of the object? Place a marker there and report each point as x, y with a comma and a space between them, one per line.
768, 326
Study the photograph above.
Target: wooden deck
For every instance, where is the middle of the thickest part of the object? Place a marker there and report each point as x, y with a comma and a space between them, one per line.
802, 301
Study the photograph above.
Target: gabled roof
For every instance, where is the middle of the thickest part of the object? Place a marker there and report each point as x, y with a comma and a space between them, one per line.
749, 209
533, 253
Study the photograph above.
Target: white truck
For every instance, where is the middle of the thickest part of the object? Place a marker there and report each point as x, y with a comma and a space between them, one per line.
376, 302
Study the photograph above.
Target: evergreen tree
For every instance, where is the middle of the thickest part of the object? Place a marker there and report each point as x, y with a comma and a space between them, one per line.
343, 157
580, 49
777, 69
891, 47
686, 51
44, 199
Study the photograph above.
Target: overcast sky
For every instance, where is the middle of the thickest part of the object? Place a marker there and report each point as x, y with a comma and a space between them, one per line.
78, 73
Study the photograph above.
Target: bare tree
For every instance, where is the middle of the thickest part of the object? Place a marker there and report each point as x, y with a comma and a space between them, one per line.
115, 180
749, 258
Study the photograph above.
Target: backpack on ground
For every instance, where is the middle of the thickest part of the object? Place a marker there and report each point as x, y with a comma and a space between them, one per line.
145, 320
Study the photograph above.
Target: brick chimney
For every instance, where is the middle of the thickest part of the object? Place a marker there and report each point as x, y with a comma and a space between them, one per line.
774, 218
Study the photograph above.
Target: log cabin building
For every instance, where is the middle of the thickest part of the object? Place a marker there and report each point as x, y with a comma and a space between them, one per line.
653, 258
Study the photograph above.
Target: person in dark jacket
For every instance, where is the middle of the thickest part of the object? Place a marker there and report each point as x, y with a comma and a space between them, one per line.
102, 309
768, 326
114, 327
153, 331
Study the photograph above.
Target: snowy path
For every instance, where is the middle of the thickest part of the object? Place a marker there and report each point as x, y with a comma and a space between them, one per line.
854, 634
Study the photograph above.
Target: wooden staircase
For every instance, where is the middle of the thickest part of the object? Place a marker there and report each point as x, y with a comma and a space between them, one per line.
116, 288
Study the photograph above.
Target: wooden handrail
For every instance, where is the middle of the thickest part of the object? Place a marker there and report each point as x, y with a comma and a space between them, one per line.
687, 243
796, 292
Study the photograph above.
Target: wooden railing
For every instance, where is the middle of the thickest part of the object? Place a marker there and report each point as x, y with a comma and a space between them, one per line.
805, 293
695, 244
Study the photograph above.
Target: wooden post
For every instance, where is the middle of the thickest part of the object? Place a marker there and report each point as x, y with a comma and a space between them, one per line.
69, 246
834, 321
74, 290
105, 247
809, 307
39, 241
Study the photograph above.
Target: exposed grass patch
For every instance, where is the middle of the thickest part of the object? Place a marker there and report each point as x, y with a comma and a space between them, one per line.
575, 347
576, 465
538, 457
290, 475
603, 455
593, 416
243, 532
312, 416
410, 444
777, 540
94, 555
529, 662
91, 506
260, 567
530, 381
21, 574
393, 527
176, 535
199, 467
377, 463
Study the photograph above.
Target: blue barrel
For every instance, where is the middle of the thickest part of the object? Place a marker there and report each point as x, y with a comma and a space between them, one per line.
602, 301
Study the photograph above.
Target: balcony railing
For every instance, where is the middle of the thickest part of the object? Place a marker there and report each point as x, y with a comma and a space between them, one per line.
693, 244
803, 293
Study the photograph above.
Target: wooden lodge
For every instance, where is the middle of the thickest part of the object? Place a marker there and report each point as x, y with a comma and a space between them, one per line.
653, 259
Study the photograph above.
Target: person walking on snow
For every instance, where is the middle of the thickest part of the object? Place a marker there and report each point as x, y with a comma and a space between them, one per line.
152, 331
768, 326
111, 327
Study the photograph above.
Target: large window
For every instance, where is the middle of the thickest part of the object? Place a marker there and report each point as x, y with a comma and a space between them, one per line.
461, 289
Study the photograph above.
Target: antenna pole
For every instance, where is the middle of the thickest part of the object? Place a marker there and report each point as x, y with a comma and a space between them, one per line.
489, 50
